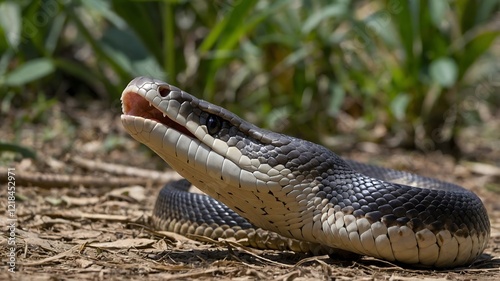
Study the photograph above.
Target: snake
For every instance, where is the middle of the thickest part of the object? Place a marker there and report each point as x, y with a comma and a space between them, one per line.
276, 191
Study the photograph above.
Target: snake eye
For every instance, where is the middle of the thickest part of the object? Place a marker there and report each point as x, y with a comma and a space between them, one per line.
214, 124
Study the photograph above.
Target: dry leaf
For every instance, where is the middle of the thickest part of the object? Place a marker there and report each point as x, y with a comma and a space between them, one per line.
136, 192
124, 244
83, 263
82, 201
81, 234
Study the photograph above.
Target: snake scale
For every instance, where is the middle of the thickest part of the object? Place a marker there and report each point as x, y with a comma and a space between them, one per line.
281, 187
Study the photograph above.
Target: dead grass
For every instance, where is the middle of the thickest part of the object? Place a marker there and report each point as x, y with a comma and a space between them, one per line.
99, 231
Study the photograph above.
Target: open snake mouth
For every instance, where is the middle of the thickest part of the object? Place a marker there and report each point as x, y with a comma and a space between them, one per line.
134, 104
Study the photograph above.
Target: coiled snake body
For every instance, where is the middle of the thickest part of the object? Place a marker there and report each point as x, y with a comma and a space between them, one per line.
292, 188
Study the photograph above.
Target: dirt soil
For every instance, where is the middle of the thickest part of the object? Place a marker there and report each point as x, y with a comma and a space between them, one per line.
82, 209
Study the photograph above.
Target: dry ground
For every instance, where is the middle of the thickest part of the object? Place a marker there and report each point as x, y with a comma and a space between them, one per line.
80, 220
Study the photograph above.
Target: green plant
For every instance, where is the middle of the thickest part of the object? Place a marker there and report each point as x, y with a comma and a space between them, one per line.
309, 68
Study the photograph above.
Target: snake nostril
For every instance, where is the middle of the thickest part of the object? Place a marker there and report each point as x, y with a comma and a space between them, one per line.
164, 91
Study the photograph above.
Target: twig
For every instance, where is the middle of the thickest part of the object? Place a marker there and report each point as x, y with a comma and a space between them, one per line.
59, 180
117, 169
53, 258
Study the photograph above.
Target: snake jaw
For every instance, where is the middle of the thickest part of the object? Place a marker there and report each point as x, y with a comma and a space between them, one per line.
134, 103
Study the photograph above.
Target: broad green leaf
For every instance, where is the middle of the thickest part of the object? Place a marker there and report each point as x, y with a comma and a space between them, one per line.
444, 71
475, 48
10, 21
486, 9
437, 10
55, 34
29, 71
114, 37
399, 106
145, 20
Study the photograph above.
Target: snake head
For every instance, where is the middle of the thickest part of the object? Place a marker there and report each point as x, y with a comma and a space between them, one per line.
222, 154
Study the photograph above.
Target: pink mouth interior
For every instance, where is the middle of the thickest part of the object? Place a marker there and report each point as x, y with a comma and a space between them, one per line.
135, 105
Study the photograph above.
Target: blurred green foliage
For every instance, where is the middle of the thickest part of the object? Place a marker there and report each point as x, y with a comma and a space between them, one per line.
404, 72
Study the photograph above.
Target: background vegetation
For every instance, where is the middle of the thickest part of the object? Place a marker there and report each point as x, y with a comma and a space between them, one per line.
406, 73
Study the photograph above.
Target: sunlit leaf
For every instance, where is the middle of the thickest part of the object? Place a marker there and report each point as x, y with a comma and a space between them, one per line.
10, 22
399, 106
437, 10
444, 71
